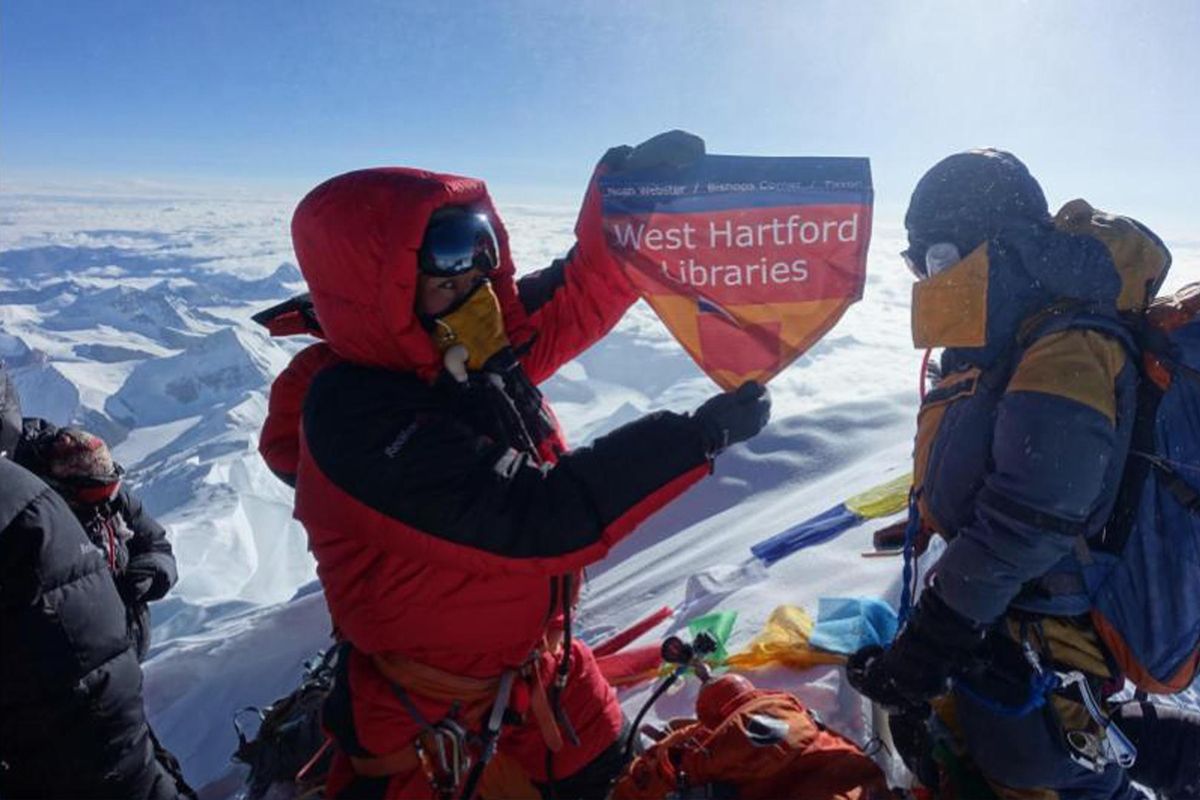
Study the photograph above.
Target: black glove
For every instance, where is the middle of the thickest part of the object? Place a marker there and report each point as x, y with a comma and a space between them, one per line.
733, 417
134, 586
937, 644
141, 584
671, 149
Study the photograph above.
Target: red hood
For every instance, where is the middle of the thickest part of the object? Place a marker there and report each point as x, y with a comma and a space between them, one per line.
356, 238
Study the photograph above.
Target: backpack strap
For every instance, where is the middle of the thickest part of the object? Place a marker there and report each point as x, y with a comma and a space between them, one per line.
1136, 335
1184, 494
1031, 516
1157, 344
1077, 316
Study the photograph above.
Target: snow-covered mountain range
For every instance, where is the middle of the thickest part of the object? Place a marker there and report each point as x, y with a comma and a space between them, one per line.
131, 316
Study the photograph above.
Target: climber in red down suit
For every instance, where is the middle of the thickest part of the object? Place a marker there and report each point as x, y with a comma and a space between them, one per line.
449, 521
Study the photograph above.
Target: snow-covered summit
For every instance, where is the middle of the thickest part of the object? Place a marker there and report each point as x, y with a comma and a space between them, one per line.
133, 319
156, 313
212, 371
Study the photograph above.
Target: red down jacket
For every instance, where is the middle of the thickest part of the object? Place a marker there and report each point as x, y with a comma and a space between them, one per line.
432, 541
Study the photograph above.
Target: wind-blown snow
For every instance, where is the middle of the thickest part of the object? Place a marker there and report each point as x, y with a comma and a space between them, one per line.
131, 317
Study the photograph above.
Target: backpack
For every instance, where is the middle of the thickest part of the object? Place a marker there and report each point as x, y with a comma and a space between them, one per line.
755, 744
1142, 574
290, 746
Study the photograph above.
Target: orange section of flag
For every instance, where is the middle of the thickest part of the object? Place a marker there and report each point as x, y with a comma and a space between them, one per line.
747, 342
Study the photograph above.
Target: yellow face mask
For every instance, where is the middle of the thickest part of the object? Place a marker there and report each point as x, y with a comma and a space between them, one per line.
950, 308
473, 332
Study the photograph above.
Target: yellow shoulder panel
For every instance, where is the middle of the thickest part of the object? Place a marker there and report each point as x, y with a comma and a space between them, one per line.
1079, 365
1140, 259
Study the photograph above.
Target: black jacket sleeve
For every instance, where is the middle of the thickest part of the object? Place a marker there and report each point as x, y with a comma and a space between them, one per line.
384, 440
149, 551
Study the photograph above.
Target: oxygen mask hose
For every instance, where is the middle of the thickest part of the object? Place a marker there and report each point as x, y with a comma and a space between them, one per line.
685, 657
455, 362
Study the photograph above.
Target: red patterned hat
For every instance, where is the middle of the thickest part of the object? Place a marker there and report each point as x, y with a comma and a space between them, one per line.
81, 467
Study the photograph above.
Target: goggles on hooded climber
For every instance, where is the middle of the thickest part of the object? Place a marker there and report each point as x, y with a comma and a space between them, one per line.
456, 241
925, 262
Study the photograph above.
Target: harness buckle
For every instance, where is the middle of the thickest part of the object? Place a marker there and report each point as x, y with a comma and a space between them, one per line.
453, 755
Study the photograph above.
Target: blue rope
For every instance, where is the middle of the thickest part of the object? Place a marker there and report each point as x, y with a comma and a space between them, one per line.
1040, 686
908, 590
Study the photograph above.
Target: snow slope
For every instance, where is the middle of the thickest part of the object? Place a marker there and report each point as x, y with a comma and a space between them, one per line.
131, 316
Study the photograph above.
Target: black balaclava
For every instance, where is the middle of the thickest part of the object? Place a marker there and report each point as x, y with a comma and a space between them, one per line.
971, 197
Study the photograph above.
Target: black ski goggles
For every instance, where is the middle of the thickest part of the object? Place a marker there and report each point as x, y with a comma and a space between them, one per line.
915, 262
457, 242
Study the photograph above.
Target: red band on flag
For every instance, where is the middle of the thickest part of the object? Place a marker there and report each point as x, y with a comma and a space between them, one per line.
748, 261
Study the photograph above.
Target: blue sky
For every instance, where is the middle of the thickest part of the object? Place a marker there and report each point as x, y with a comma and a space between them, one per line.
1100, 98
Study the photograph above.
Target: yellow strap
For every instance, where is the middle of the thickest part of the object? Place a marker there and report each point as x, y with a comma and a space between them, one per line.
882, 500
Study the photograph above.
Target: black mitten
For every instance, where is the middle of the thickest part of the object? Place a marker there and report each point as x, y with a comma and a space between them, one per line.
670, 149
141, 582
937, 644
733, 417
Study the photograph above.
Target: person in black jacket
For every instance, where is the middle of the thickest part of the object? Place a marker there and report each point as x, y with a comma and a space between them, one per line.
79, 466
72, 722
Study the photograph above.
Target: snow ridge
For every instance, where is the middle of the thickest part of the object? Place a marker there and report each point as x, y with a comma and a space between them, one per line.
132, 318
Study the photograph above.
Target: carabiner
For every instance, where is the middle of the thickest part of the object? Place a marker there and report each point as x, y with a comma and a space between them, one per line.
1112, 746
